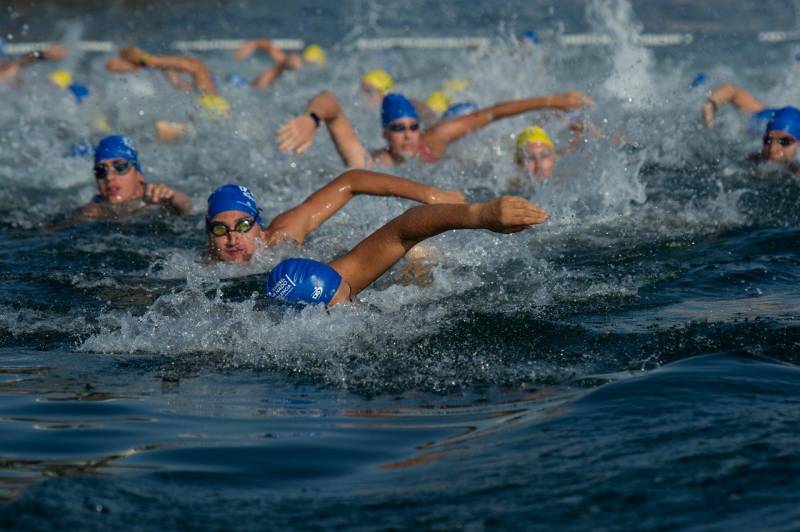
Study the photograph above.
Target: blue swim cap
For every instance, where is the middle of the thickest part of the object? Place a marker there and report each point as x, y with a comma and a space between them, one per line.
395, 106
236, 80
699, 79
302, 281
80, 91
459, 109
80, 149
786, 119
116, 147
530, 36
233, 198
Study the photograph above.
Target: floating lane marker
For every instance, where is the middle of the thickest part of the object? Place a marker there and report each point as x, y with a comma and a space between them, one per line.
652, 39
84, 46
779, 36
422, 42
231, 44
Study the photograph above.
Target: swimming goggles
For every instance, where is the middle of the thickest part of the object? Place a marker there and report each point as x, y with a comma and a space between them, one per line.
396, 128
220, 229
119, 167
783, 141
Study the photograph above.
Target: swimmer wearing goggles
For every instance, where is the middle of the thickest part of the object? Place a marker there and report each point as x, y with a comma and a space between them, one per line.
233, 220
780, 126
404, 137
121, 185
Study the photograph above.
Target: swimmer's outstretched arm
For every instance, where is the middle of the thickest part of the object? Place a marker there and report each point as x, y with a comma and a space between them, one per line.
382, 249
438, 137
733, 94
269, 75
297, 135
54, 52
296, 223
201, 75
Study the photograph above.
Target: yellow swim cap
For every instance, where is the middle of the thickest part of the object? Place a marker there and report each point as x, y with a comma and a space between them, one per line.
61, 78
533, 134
314, 54
438, 101
379, 79
214, 106
455, 85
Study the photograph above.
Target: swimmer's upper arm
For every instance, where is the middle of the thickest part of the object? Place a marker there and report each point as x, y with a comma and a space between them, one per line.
347, 143
439, 136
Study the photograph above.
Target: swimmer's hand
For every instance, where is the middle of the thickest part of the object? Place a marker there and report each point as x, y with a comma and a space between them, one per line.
571, 100
438, 195
156, 193
709, 108
509, 214
133, 55
55, 52
297, 135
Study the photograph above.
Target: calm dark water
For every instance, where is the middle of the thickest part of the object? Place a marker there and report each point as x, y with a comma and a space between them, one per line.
629, 365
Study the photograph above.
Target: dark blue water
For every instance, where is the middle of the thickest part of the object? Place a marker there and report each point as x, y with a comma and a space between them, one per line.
629, 365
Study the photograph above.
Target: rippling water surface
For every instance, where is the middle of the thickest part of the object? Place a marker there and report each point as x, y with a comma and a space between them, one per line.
630, 364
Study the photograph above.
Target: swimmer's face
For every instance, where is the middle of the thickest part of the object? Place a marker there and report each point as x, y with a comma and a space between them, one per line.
537, 160
118, 186
235, 246
779, 147
372, 94
402, 135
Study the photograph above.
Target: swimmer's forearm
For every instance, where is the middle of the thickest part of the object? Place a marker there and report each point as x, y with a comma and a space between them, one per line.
562, 101
181, 202
380, 184
267, 77
736, 96
201, 76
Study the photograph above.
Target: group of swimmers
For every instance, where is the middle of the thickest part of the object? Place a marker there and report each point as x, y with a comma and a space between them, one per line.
234, 224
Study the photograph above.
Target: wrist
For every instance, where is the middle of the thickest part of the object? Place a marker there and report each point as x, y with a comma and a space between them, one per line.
315, 117
475, 215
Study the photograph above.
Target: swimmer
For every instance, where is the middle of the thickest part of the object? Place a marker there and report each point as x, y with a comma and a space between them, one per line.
309, 282
401, 127
313, 54
132, 59
535, 152
233, 221
10, 70
781, 131
121, 186
376, 84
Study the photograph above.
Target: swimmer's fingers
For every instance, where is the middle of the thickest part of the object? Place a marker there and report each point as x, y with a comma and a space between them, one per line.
574, 100
708, 114
297, 134
304, 147
509, 214
156, 193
